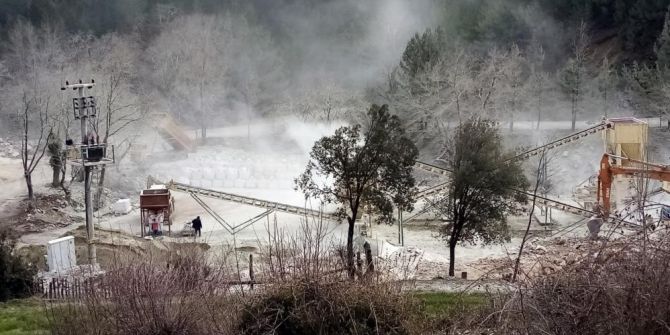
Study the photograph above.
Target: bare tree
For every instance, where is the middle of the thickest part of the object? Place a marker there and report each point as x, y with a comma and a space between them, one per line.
439, 92
189, 61
30, 58
487, 82
538, 181
255, 70
606, 81
513, 77
33, 141
538, 80
114, 62
459, 81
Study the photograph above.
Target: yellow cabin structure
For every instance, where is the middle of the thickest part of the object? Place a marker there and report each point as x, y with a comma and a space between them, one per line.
627, 138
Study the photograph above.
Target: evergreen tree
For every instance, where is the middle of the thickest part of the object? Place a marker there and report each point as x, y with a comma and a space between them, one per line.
357, 166
662, 47
16, 276
422, 52
481, 192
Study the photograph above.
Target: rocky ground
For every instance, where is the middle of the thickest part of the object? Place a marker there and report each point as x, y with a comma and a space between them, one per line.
51, 211
9, 148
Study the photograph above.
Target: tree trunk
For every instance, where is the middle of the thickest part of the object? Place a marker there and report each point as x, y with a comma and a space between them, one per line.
62, 179
452, 258
29, 184
539, 110
350, 247
525, 234
98, 191
203, 122
458, 109
370, 266
574, 112
55, 180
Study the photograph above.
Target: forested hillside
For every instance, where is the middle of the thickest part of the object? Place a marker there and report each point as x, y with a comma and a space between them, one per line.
635, 24
210, 62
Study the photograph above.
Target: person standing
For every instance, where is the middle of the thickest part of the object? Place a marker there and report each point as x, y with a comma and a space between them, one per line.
197, 225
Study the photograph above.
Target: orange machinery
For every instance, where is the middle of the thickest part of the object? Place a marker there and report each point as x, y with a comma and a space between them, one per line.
607, 173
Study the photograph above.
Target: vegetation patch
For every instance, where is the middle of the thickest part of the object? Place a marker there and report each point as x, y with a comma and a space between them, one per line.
331, 308
450, 303
26, 316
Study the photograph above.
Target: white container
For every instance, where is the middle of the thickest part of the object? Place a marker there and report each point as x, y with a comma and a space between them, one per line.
122, 206
60, 254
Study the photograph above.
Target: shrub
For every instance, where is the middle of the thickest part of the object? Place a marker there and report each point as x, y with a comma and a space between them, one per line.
16, 276
620, 289
343, 307
185, 296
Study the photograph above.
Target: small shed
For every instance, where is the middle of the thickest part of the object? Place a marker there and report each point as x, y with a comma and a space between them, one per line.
156, 208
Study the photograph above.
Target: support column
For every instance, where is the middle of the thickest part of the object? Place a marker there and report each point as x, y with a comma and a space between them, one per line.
92, 257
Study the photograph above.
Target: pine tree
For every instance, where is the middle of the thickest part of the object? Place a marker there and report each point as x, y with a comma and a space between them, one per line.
422, 52
662, 47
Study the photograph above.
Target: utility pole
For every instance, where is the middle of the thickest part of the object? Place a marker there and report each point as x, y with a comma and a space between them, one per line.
92, 154
401, 231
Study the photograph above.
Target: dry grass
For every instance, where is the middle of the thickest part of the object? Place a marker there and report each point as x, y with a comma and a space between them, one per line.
621, 288
185, 296
303, 290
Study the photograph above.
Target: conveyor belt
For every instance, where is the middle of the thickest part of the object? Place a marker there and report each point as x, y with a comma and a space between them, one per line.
539, 200
228, 227
561, 141
432, 190
241, 199
524, 155
432, 168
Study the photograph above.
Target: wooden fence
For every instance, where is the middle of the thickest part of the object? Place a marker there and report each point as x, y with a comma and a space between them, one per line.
70, 288
98, 287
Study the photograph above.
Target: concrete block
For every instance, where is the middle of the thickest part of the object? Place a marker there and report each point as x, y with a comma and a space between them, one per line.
122, 206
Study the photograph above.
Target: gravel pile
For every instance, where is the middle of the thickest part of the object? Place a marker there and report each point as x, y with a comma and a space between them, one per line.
10, 149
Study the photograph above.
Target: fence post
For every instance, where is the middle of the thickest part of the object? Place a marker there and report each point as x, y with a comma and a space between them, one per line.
359, 263
251, 270
368, 257
50, 290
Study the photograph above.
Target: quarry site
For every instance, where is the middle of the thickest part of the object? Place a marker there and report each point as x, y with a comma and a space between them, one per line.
251, 190
334, 167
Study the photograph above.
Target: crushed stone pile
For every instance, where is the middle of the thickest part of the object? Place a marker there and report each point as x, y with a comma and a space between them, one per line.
50, 211
10, 149
539, 258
